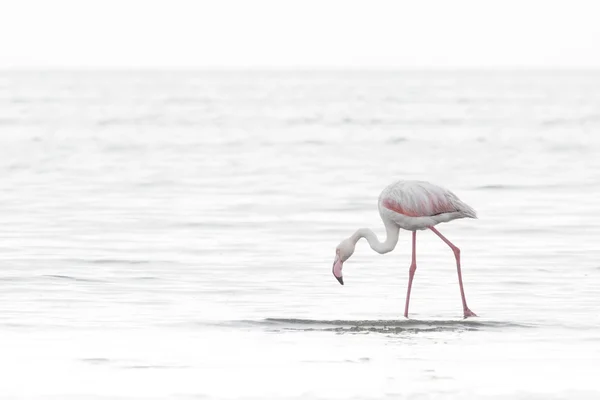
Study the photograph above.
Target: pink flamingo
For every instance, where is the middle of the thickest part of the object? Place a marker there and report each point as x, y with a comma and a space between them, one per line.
413, 206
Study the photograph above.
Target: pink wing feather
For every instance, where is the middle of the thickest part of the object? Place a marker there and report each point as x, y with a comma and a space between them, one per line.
428, 207
422, 199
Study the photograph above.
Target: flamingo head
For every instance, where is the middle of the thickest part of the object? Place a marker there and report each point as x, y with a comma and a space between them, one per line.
342, 252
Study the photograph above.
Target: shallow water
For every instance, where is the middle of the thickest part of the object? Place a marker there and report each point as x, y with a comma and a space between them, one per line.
170, 235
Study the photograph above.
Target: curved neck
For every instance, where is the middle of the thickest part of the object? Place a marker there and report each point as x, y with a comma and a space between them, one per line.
392, 231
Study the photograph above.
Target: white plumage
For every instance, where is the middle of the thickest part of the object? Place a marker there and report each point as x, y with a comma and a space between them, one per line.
418, 205
413, 206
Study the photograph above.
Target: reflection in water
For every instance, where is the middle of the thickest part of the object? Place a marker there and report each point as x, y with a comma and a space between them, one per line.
387, 326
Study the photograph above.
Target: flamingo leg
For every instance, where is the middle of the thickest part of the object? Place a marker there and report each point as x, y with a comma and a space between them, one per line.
411, 271
456, 251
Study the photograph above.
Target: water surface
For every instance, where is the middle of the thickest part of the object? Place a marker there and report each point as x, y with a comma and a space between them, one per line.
171, 234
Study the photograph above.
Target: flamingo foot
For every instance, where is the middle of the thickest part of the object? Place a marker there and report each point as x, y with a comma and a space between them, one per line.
469, 313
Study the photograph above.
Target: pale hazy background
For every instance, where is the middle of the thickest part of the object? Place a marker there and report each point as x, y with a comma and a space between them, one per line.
169, 234
308, 33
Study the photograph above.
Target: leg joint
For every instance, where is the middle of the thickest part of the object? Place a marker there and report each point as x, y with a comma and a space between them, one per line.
456, 250
413, 268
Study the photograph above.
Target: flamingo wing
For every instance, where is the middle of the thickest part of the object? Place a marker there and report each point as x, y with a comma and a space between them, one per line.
422, 199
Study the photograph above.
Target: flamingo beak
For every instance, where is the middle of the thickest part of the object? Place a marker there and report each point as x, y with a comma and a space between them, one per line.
337, 269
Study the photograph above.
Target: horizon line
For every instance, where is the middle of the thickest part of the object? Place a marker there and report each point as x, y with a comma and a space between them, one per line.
315, 68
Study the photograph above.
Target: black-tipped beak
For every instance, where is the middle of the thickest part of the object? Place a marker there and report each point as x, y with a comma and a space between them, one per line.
337, 269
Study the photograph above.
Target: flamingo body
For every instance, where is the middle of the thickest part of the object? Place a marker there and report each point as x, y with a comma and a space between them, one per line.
413, 206
418, 205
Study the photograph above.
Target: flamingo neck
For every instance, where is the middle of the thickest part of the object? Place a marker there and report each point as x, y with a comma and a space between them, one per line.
392, 231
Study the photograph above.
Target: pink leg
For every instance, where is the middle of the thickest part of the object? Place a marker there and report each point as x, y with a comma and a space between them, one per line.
411, 271
456, 250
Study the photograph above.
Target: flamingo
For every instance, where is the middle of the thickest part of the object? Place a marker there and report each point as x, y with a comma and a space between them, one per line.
413, 206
